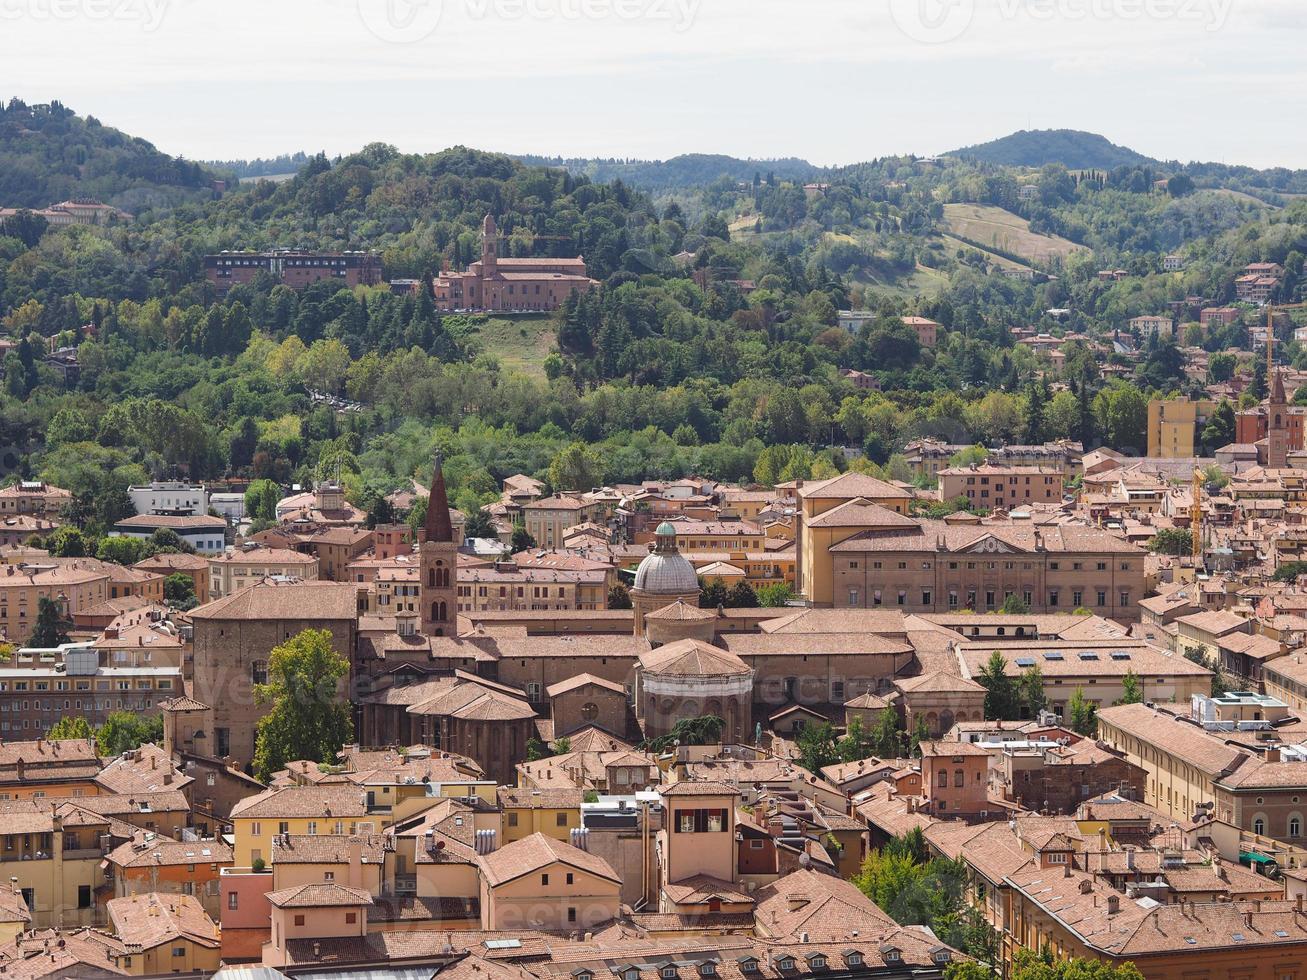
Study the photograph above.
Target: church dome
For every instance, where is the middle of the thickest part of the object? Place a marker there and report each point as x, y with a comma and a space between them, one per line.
665, 571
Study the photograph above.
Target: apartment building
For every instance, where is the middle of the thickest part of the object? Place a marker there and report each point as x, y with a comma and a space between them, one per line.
293, 269
547, 518
1174, 426
249, 565
75, 585
33, 498
173, 497
991, 487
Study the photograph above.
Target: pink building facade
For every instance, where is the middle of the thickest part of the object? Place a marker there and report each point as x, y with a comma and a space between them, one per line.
510, 285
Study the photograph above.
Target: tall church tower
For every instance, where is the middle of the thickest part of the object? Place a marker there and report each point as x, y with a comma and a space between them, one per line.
438, 556
489, 247
1277, 409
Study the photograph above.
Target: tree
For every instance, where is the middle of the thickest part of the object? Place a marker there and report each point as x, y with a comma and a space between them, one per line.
817, 749
1172, 541
1031, 690
68, 542
381, 512
1014, 605
886, 739
1290, 570
1132, 689
123, 550
775, 595
125, 730
857, 743
51, 628
712, 593
522, 540
537, 750
1122, 415
179, 591
1082, 715
306, 718
619, 597
1001, 699
479, 525
920, 733
741, 596
576, 467
1029, 964
261, 498
704, 730
1219, 431
70, 726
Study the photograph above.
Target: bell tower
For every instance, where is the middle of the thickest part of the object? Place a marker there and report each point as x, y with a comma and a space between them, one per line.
489, 247
1277, 406
438, 558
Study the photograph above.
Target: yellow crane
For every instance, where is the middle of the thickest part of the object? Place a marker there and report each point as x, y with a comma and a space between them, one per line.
1196, 516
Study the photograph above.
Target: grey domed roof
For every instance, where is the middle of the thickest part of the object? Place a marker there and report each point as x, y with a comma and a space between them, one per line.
667, 573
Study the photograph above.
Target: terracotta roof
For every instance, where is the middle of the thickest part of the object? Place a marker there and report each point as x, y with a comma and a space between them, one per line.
303, 801
851, 486
319, 895
148, 851
692, 658
298, 601
153, 919
529, 854
692, 787
329, 848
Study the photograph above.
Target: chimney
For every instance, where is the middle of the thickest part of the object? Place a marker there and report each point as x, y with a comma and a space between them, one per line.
355, 862
1113, 904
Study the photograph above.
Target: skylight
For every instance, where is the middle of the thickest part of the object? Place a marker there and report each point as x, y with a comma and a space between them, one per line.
1090, 655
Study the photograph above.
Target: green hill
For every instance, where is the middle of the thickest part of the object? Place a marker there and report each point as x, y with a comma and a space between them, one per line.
1034, 148
679, 173
48, 154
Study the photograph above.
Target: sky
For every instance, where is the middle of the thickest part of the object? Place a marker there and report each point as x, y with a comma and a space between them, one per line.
833, 81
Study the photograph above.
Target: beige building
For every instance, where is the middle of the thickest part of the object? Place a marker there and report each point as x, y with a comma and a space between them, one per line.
507, 586
33, 498
165, 933
244, 567
1191, 771
542, 883
75, 584
991, 487
547, 518
1174, 426
946, 566
830, 511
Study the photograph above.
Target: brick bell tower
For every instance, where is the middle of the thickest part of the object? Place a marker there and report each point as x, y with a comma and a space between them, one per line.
438, 556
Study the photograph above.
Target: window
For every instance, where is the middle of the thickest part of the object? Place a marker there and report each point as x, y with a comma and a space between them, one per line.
560, 820
544, 879
259, 672
1295, 826
351, 918
589, 711
571, 914
283, 827
1259, 826
707, 969
854, 958
512, 819
178, 952
299, 920
570, 878
233, 901
785, 964
83, 896
1053, 599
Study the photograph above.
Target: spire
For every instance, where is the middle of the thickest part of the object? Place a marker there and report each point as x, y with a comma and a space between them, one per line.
1277, 389
438, 526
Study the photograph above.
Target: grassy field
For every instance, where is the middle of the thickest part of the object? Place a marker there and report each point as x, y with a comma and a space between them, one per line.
990, 226
922, 282
521, 342
999, 260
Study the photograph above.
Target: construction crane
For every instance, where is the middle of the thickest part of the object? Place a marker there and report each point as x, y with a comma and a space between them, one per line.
1196, 517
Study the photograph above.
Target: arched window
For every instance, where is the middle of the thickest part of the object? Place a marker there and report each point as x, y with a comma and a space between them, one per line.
1259, 825
589, 711
1295, 825
431, 577
943, 778
959, 778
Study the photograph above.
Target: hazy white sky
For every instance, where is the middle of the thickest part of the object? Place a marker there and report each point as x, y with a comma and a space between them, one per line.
835, 81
